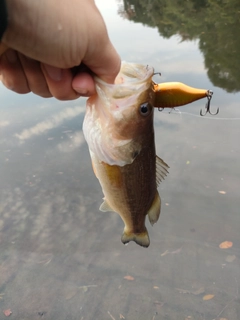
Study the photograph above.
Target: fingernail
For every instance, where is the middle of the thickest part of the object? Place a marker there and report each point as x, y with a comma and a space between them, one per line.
11, 56
82, 91
53, 72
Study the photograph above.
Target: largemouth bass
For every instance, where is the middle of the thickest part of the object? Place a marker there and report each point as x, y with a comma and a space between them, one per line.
118, 128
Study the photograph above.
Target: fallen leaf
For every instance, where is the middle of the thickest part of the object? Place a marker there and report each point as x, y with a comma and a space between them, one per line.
230, 258
155, 287
188, 162
159, 305
183, 290
130, 278
172, 252
70, 294
112, 317
225, 245
176, 251
85, 288
208, 297
42, 313
195, 292
7, 312
164, 253
222, 192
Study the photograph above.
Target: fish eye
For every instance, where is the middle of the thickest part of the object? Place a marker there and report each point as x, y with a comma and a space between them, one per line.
145, 109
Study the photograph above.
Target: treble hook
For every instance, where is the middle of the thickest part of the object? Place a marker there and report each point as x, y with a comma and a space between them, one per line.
207, 107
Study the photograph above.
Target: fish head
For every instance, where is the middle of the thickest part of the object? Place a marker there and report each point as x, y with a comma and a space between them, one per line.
119, 117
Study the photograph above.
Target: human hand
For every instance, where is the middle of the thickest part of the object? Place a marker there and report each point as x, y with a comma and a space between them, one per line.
55, 47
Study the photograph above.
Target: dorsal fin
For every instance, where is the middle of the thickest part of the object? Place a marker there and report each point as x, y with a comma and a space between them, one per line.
161, 170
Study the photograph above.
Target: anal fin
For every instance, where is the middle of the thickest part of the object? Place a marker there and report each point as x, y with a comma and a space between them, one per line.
154, 211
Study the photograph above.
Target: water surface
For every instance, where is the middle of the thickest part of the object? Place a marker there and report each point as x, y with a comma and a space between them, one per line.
60, 257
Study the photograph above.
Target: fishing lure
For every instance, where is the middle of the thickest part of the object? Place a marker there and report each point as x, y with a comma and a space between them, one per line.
174, 94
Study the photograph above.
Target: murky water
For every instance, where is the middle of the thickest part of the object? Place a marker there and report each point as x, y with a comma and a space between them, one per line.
60, 258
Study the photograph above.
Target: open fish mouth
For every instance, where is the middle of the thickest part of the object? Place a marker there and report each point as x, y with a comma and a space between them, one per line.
130, 73
131, 81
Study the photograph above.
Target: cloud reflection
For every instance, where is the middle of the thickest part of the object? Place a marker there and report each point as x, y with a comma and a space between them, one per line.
4, 124
41, 223
51, 123
74, 141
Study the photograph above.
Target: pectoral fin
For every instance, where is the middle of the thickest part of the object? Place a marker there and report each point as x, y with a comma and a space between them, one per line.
154, 211
105, 207
94, 170
161, 170
141, 239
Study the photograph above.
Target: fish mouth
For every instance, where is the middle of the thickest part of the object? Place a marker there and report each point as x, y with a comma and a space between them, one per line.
114, 108
132, 79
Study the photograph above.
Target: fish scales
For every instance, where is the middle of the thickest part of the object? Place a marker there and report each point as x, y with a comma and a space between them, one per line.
130, 189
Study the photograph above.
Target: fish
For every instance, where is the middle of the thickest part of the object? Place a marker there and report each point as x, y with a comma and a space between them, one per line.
118, 128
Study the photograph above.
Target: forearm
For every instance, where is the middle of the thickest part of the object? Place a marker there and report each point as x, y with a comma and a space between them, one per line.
22, 23
3, 17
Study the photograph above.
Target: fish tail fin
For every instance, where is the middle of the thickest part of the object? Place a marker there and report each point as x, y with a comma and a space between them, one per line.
141, 239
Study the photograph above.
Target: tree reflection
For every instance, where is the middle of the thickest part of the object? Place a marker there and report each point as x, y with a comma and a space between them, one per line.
216, 23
